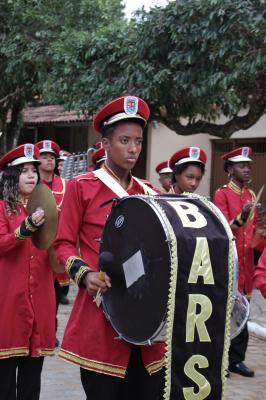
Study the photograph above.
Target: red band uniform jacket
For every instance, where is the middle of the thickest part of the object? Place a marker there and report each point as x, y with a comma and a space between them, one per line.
260, 274
27, 300
230, 199
58, 187
89, 340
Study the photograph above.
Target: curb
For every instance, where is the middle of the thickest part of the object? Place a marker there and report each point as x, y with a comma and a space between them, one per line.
257, 330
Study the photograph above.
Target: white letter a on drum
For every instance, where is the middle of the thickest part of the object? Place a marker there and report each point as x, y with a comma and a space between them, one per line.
201, 264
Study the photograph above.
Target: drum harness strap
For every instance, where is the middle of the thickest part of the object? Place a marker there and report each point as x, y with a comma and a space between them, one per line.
115, 186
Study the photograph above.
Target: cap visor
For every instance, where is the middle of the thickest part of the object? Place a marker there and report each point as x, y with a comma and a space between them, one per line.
123, 116
23, 160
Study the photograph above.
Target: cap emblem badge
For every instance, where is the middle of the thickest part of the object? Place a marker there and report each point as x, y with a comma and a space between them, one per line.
47, 145
194, 153
28, 150
245, 151
131, 105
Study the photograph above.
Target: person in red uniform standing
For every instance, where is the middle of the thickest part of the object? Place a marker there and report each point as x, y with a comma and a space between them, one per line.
235, 201
27, 301
188, 167
63, 155
98, 156
260, 274
165, 176
49, 152
62, 278
259, 244
111, 369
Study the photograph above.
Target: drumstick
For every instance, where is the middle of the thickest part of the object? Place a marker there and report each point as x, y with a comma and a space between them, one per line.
101, 275
255, 203
97, 298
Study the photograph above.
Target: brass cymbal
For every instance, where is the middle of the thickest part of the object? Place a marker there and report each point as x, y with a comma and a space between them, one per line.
42, 197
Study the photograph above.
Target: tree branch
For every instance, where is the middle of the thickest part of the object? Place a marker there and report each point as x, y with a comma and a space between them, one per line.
9, 96
256, 110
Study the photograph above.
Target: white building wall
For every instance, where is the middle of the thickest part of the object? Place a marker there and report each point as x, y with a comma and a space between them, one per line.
256, 131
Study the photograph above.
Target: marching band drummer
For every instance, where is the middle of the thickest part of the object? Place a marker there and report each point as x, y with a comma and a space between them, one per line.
235, 201
165, 176
188, 167
27, 300
111, 369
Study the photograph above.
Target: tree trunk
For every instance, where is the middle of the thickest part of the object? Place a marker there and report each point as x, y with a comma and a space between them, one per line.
3, 137
13, 128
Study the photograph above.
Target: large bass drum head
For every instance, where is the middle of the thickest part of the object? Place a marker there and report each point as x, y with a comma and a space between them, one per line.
135, 254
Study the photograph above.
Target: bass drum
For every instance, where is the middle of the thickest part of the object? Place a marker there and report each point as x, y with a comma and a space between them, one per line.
136, 253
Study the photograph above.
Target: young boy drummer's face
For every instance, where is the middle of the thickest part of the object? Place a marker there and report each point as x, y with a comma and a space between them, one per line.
124, 145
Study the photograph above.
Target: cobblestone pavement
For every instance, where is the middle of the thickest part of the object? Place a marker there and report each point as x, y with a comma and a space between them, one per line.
60, 380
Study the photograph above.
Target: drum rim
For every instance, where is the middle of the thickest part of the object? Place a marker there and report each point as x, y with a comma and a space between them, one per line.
147, 342
239, 298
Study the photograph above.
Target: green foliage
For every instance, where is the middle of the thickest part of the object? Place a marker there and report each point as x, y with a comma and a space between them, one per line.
194, 59
37, 36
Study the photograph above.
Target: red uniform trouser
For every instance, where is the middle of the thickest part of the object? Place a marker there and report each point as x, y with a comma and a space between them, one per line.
238, 347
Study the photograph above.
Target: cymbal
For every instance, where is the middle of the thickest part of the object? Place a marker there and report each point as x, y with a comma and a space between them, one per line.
42, 197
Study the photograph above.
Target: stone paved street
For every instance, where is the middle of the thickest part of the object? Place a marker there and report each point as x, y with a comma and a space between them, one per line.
60, 380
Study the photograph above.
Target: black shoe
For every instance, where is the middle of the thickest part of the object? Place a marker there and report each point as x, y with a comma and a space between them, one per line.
241, 369
63, 300
57, 343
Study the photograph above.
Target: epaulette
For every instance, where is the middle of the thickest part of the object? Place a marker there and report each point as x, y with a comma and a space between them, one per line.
87, 177
221, 188
224, 186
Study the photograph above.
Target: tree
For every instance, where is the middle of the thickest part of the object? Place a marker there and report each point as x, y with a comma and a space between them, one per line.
25, 35
193, 61
76, 55
31, 32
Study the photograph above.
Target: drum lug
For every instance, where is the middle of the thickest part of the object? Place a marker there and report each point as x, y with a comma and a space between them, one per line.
118, 337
